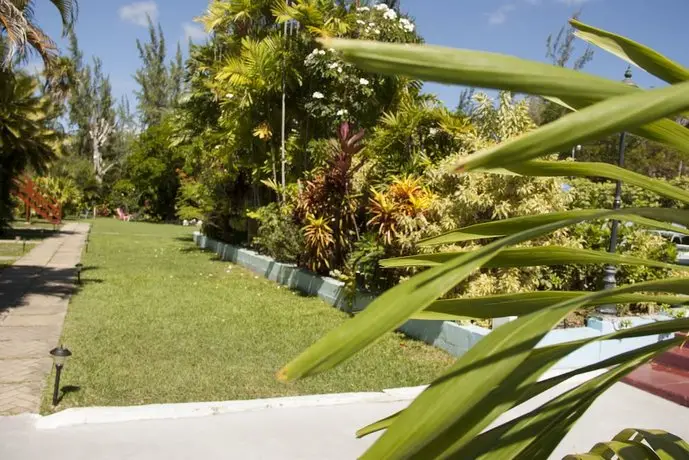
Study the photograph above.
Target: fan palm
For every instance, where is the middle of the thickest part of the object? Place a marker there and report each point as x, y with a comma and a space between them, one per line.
18, 28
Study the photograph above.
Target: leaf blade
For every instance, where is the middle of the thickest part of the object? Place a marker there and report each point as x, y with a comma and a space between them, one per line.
633, 52
619, 113
504, 227
498, 306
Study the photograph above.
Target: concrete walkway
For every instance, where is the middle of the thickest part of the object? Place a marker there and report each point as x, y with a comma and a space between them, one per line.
34, 293
301, 433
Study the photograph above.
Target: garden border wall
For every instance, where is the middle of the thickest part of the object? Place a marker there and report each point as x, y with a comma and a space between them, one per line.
454, 338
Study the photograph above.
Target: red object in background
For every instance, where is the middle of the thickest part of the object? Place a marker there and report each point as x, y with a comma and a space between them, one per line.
46, 207
666, 376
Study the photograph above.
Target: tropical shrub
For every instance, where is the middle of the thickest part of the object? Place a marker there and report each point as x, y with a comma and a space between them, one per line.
279, 235
64, 191
417, 134
152, 170
589, 194
327, 206
192, 200
404, 200
451, 417
123, 194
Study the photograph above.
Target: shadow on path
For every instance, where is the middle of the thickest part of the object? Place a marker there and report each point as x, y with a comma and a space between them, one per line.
19, 282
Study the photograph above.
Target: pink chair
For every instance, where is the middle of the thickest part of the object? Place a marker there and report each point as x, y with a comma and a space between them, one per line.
122, 216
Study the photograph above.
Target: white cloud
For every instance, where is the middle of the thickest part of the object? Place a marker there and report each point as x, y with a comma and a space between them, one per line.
193, 32
137, 12
500, 15
572, 2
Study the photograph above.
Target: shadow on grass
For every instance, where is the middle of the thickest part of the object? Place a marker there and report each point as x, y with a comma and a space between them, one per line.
65, 390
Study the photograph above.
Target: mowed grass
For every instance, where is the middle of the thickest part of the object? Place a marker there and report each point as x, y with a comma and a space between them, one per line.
158, 320
14, 249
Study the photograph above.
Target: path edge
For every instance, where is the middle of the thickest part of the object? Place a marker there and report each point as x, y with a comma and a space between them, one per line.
100, 415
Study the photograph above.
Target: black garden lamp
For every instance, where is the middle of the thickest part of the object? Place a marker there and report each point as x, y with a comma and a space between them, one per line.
609, 280
60, 355
79, 267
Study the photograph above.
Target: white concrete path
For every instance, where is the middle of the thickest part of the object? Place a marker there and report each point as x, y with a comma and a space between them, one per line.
325, 432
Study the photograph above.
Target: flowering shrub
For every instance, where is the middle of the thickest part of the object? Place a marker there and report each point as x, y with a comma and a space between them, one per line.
343, 92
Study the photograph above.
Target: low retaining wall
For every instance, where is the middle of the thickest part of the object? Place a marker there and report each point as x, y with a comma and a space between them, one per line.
454, 338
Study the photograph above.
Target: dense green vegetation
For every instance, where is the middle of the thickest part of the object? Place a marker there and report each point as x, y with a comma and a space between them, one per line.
214, 331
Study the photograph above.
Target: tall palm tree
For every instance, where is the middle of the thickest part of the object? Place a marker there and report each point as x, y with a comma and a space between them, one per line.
18, 28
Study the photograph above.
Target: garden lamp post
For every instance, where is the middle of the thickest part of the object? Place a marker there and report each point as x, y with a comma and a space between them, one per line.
609, 281
576, 149
60, 355
79, 267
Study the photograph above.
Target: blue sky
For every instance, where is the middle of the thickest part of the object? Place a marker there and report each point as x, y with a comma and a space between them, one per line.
108, 29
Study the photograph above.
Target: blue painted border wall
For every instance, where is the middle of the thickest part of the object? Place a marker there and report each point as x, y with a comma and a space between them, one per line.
454, 338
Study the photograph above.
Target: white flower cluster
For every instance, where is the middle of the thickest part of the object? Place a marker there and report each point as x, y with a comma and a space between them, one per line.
317, 95
406, 25
342, 112
390, 14
363, 82
310, 58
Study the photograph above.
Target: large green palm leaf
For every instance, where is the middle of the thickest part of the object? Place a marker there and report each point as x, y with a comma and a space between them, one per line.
447, 419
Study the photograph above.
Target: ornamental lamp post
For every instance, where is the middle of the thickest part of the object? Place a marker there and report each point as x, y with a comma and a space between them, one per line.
60, 355
609, 280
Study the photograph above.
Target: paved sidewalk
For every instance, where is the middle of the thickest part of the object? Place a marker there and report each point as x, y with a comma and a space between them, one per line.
34, 293
302, 433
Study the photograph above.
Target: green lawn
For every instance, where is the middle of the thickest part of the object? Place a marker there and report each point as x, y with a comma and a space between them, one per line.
14, 249
161, 321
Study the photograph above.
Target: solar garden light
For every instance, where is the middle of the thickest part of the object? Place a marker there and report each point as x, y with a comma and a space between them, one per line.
60, 355
79, 267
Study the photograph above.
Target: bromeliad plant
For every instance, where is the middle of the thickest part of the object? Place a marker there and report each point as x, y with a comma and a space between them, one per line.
450, 418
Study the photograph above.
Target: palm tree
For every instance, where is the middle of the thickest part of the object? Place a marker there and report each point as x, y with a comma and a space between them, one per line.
26, 139
18, 29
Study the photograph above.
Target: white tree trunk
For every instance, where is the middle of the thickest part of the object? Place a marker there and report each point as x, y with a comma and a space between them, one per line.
99, 132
